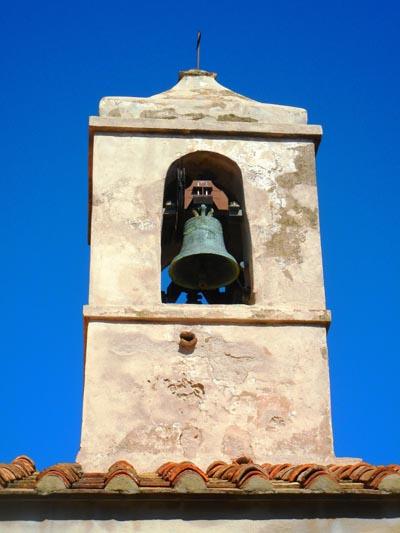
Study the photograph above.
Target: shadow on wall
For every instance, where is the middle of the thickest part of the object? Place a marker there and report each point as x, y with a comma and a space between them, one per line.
348, 513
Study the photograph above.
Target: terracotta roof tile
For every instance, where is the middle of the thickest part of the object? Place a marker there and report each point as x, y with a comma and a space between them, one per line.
274, 470
58, 477
308, 476
375, 481
241, 474
91, 480
371, 476
68, 472
213, 468
171, 471
121, 477
321, 480
20, 468
122, 468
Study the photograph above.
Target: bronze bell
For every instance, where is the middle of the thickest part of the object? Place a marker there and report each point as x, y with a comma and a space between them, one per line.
203, 262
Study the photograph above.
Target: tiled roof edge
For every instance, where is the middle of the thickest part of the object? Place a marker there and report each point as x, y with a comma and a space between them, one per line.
239, 476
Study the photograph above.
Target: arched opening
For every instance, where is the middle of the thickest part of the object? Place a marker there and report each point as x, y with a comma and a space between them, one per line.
198, 184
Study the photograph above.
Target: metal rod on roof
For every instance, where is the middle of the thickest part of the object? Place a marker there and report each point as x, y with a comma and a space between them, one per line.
198, 50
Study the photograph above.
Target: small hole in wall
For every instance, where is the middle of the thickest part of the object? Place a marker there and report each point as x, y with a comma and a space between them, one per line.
187, 340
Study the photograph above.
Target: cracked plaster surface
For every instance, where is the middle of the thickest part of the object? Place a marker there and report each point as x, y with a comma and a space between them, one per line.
237, 393
281, 204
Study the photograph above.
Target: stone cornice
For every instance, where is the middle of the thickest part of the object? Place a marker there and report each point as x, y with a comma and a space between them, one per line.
191, 127
208, 314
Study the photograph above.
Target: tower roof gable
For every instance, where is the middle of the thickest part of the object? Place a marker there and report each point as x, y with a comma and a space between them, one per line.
199, 97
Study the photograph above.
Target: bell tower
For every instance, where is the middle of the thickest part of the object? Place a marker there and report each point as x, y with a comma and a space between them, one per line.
220, 191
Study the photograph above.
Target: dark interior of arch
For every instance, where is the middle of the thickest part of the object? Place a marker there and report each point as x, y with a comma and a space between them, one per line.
227, 176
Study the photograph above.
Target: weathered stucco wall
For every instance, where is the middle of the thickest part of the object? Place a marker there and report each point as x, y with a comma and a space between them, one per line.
255, 390
258, 390
281, 202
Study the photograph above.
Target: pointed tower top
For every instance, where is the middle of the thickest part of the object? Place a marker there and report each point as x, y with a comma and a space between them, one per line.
199, 97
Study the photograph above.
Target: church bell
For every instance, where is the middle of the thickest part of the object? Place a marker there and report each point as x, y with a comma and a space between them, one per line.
203, 262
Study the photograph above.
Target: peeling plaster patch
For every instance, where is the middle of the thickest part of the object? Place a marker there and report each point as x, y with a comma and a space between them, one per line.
286, 245
190, 440
294, 220
274, 163
185, 387
167, 113
310, 441
272, 409
194, 116
230, 117
151, 439
276, 422
114, 112
297, 216
288, 179
244, 405
142, 224
236, 442
305, 195
261, 178
245, 357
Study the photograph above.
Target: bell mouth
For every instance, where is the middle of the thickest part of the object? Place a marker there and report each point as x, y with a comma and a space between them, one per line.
205, 271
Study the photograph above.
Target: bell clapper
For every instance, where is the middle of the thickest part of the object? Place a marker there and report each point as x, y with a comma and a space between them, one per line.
202, 279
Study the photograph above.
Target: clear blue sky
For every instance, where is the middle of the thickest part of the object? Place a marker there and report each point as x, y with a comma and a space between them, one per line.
338, 59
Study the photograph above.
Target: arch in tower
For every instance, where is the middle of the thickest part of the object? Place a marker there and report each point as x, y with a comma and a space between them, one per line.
226, 175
